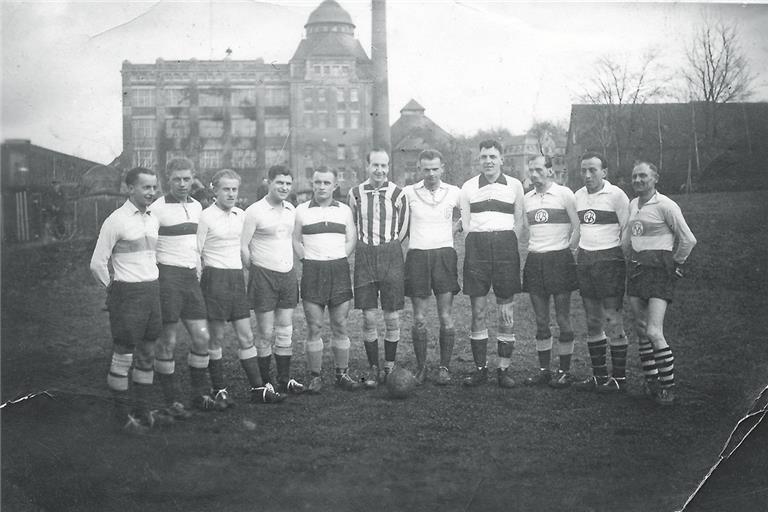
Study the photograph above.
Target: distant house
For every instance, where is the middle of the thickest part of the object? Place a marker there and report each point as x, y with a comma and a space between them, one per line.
36, 183
412, 133
713, 141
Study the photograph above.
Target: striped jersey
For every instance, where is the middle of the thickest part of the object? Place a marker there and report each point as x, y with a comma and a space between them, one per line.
380, 214
177, 238
487, 206
548, 221
271, 245
602, 216
129, 238
431, 215
657, 224
324, 229
218, 237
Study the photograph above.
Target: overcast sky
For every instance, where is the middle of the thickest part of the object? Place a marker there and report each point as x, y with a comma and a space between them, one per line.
471, 64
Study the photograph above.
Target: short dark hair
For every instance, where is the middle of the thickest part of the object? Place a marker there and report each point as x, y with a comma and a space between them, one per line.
179, 163
490, 143
277, 170
595, 154
649, 164
331, 170
431, 154
375, 150
225, 173
547, 160
132, 176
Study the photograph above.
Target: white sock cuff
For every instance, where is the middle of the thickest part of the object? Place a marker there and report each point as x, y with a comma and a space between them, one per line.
314, 346
341, 342
247, 353
392, 335
479, 335
544, 345
597, 337
197, 360
165, 367
370, 335
215, 353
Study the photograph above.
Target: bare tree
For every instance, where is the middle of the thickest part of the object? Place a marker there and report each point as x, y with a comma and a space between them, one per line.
540, 128
620, 85
717, 70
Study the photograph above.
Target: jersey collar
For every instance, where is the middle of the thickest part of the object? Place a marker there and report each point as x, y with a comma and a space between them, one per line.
502, 180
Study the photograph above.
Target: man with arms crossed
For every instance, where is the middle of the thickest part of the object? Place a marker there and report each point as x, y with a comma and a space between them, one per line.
267, 246
661, 242
223, 284
431, 261
128, 237
380, 211
323, 239
601, 269
181, 299
492, 212
549, 268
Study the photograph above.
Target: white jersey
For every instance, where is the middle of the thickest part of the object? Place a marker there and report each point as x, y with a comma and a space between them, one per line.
602, 216
550, 225
431, 219
656, 226
489, 206
177, 237
271, 245
324, 229
218, 237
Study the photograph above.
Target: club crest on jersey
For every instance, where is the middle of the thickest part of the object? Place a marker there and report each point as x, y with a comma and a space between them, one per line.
541, 216
589, 217
637, 228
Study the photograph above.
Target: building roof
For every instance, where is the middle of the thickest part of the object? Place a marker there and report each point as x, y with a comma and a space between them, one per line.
331, 44
415, 131
412, 106
329, 12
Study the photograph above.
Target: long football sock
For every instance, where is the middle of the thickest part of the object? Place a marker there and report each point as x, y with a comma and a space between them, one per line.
565, 350
419, 338
198, 369
619, 356
315, 356
479, 343
216, 368
647, 361
142, 387
265, 366
249, 362
372, 352
665, 362
447, 340
597, 355
544, 351
166, 376
283, 364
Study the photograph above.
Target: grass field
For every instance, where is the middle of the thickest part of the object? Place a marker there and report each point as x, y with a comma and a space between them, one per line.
441, 449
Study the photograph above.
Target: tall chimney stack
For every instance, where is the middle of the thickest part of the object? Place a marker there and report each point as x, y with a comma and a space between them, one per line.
380, 112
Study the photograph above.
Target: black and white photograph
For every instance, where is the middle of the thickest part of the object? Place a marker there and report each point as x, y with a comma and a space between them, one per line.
383, 255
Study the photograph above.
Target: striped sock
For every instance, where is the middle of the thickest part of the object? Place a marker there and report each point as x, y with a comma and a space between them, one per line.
665, 362
619, 360
597, 354
647, 362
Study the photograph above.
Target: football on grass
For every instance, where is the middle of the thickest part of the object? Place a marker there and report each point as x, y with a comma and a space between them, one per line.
400, 383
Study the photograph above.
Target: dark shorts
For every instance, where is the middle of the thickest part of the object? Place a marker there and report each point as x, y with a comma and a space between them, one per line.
550, 273
601, 273
326, 283
491, 259
379, 272
224, 293
180, 294
431, 271
651, 274
134, 312
269, 290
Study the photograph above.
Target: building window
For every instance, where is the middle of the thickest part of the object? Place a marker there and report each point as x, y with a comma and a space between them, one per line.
210, 98
210, 159
170, 155
242, 158
341, 120
317, 69
243, 97
243, 127
211, 128
321, 97
340, 98
276, 97
341, 175
345, 70
354, 95
277, 127
309, 172
177, 128
354, 153
177, 97
144, 158
143, 98
341, 152
308, 121
308, 103
354, 120
275, 156
143, 129
326, 70
322, 120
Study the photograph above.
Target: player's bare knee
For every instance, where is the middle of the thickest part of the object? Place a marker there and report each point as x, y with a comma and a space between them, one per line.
419, 321
446, 320
656, 335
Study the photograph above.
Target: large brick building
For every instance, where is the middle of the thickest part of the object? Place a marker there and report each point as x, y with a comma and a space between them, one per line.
249, 115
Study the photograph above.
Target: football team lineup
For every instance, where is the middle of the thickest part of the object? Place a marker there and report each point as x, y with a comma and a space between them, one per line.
176, 263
